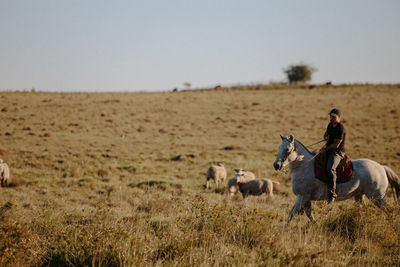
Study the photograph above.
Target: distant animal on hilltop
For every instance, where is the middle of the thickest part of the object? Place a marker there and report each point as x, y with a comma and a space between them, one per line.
4, 173
217, 172
232, 186
256, 187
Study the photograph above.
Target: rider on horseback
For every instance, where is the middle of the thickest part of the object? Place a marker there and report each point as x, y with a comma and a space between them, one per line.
335, 136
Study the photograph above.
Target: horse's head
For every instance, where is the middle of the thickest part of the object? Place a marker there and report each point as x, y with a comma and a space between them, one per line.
285, 154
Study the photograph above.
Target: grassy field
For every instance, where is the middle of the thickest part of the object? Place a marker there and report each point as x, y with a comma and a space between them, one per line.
117, 179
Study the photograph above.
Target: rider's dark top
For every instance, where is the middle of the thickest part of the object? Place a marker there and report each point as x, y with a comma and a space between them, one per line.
337, 132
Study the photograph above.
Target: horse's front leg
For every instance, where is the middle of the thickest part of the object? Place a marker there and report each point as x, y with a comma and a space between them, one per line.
307, 208
296, 208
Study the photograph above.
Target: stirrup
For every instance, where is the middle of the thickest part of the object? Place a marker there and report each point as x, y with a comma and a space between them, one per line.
331, 196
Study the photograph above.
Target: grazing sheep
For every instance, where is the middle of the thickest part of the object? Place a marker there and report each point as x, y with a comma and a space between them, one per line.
245, 174
232, 186
4, 173
216, 172
256, 187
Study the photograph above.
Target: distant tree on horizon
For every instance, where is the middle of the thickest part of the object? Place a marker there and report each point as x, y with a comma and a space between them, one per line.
299, 73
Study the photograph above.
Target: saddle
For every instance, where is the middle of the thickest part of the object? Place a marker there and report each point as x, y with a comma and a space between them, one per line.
344, 170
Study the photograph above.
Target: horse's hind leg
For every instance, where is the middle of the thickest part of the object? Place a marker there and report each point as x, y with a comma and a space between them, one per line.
359, 199
2, 182
379, 202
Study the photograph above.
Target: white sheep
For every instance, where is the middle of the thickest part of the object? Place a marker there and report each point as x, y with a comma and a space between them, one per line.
256, 187
4, 173
232, 186
245, 174
216, 172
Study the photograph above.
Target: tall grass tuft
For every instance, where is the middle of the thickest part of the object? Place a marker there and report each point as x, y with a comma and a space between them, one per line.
347, 224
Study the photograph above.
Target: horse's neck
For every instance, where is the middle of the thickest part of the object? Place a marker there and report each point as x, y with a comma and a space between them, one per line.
304, 156
302, 151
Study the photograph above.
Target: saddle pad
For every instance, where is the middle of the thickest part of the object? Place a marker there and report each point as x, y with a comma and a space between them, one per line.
344, 170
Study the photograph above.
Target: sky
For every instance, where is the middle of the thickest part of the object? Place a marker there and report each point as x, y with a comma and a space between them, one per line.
158, 45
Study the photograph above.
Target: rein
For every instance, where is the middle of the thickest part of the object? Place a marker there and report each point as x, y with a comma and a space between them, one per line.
313, 157
317, 142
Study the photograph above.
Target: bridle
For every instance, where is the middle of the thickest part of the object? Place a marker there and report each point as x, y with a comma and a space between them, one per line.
283, 159
304, 163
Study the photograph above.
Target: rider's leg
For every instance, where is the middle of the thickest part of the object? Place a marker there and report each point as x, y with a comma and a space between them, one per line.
334, 159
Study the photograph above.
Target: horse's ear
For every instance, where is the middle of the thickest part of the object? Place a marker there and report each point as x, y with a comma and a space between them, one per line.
283, 137
291, 138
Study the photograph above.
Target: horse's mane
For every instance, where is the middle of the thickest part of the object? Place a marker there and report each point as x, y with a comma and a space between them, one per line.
298, 143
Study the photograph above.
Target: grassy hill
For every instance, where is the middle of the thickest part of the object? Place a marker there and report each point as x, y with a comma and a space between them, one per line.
111, 179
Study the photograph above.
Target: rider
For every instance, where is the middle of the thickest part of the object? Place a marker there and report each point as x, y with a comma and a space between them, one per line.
335, 136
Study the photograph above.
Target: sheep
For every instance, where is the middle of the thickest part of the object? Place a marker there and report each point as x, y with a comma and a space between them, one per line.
216, 172
245, 174
4, 173
232, 186
256, 186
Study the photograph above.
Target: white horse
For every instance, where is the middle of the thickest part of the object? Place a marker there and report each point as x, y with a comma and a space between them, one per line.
370, 178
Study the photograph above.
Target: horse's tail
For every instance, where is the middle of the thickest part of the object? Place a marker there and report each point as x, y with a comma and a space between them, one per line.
394, 180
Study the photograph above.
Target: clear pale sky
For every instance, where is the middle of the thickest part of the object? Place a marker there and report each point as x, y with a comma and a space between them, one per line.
97, 45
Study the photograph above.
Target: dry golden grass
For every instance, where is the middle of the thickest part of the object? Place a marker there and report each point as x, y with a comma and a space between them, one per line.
110, 179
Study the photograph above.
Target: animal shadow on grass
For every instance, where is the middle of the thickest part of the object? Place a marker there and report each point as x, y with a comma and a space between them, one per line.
7, 206
14, 183
217, 190
161, 185
220, 190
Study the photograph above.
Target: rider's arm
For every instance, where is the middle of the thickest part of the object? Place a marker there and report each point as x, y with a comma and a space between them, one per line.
334, 145
326, 136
